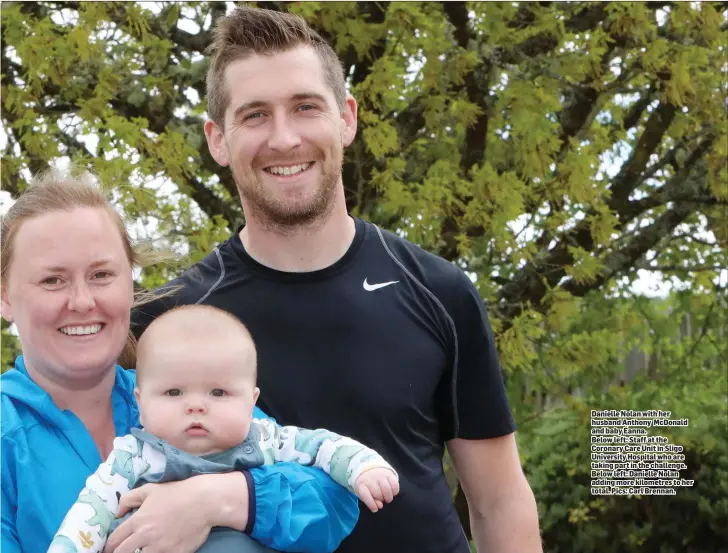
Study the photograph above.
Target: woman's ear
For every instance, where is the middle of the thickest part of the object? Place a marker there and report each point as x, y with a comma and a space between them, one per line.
5, 308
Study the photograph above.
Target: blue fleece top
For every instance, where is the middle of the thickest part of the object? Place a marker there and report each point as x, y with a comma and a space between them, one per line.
47, 454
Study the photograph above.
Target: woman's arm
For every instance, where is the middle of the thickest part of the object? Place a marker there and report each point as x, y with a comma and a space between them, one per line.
284, 506
287, 506
297, 508
301, 509
9, 541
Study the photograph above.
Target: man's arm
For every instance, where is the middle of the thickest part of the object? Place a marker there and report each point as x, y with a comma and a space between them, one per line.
503, 514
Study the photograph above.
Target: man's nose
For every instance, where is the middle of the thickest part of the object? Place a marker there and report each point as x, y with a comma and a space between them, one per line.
284, 136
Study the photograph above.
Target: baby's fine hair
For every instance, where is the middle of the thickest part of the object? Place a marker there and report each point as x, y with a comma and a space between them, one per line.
197, 321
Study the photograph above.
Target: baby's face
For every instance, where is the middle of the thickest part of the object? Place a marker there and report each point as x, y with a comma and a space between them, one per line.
197, 396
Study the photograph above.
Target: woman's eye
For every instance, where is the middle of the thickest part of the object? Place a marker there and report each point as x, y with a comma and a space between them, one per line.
217, 392
102, 275
174, 392
52, 281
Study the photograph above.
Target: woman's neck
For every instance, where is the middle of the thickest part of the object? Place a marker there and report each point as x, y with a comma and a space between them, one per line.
89, 400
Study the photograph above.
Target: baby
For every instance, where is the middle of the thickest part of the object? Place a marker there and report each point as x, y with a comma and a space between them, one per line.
196, 376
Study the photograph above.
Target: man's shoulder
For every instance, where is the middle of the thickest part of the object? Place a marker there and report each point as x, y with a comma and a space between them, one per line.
205, 274
432, 271
193, 285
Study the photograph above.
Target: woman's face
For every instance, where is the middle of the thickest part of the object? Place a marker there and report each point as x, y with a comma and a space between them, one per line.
69, 292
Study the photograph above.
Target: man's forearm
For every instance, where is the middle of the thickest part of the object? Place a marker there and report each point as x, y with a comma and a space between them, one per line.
508, 526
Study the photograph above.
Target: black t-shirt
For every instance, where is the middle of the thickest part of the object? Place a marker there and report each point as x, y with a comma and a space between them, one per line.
390, 345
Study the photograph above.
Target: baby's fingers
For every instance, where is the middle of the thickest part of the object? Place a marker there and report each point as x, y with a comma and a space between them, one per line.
387, 492
377, 492
394, 483
366, 496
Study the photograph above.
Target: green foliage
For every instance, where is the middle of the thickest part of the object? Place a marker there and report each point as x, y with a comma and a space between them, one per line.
10, 347
688, 382
556, 459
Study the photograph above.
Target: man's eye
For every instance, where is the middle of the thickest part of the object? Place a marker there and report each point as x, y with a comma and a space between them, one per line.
217, 392
255, 115
306, 107
174, 392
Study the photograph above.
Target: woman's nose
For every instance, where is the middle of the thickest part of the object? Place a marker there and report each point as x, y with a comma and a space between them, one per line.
81, 299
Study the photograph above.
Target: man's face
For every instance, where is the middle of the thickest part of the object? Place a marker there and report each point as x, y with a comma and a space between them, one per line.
283, 137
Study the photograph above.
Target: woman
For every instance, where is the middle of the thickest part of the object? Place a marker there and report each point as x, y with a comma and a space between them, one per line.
66, 269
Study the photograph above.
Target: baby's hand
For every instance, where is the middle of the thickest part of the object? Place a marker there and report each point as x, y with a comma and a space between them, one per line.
376, 486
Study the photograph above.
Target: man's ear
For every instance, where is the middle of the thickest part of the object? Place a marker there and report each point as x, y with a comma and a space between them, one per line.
348, 120
5, 308
256, 394
216, 143
136, 396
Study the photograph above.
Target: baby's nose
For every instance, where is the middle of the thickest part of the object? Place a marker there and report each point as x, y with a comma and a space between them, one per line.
195, 407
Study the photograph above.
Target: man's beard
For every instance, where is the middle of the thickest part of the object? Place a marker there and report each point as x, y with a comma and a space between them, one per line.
285, 215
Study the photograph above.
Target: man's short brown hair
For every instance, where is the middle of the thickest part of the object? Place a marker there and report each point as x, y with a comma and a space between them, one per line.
249, 31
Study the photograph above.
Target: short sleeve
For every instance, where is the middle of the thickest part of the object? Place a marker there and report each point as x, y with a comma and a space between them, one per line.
471, 396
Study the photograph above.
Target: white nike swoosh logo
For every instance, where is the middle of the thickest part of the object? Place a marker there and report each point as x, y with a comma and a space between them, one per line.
370, 287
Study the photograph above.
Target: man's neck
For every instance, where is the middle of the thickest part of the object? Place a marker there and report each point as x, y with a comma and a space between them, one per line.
302, 249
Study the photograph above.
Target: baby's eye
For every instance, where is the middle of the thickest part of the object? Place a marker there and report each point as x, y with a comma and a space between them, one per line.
217, 392
174, 392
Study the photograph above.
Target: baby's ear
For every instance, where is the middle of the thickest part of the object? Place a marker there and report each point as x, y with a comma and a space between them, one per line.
136, 396
256, 393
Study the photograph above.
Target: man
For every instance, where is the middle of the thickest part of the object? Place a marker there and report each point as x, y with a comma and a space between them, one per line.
357, 330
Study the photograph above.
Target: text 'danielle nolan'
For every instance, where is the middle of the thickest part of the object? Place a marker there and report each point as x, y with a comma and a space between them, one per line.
630, 458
